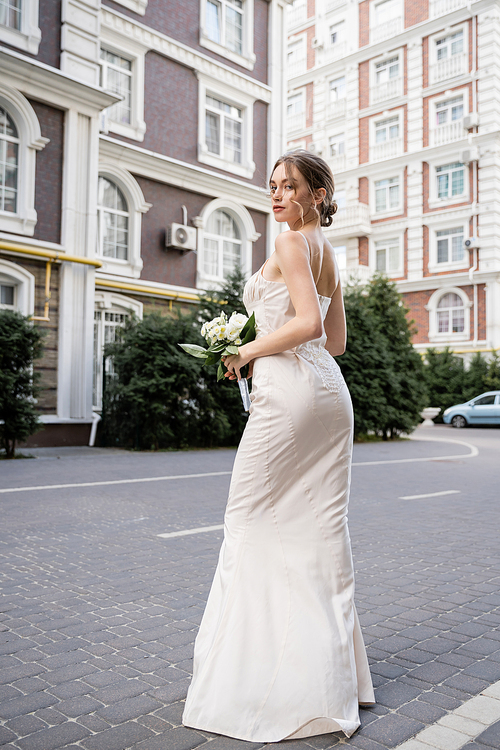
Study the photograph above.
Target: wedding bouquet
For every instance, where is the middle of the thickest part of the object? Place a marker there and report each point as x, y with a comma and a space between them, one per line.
224, 335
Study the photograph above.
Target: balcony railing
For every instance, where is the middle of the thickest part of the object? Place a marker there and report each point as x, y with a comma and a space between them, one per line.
387, 90
452, 131
295, 122
386, 150
296, 16
386, 30
441, 7
337, 163
336, 51
296, 67
336, 109
450, 67
351, 221
334, 4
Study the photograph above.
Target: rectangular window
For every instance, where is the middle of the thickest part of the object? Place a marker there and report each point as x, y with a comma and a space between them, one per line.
387, 11
10, 14
340, 199
452, 44
337, 33
387, 194
295, 105
450, 245
387, 256
224, 23
336, 145
116, 76
450, 180
296, 58
387, 70
340, 254
6, 295
450, 110
387, 130
223, 129
337, 89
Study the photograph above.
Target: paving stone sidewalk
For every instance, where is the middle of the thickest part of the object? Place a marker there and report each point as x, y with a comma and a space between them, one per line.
99, 615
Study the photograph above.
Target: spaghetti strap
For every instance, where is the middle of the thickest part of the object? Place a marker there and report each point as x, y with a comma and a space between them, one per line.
307, 243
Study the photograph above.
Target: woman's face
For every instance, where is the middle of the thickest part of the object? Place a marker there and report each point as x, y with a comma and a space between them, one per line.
291, 198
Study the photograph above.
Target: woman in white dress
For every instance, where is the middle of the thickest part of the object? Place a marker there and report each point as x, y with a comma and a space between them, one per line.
280, 654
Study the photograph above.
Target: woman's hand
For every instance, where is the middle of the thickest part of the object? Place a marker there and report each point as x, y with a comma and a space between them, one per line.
234, 363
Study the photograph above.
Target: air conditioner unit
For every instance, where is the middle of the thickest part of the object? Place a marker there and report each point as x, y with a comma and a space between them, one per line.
471, 121
181, 237
315, 148
316, 43
469, 154
471, 243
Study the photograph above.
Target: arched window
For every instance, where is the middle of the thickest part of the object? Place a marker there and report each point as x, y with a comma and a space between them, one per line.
9, 162
113, 218
222, 250
450, 314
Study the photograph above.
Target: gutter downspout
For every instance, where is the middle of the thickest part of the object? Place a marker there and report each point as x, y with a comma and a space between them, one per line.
96, 418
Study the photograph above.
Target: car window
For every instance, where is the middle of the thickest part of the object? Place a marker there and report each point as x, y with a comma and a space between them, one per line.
485, 400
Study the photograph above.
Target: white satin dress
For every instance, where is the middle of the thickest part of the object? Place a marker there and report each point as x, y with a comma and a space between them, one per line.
279, 654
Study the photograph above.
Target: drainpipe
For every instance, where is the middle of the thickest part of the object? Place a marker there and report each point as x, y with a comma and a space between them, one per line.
96, 418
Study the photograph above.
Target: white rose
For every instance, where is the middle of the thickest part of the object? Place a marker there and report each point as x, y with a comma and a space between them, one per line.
238, 320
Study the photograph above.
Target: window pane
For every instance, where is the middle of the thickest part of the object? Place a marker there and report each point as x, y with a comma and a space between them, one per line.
234, 30
380, 253
457, 182
10, 13
443, 322
380, 200
110, 196
8, 175
442, 185
458, 321
381, 135
213, 132
442, 116
394, 196
457, 112
393, 258
231, 257
213, 21
394, 131
485, 400
7, 126
210, 257
457, 248
7, 295
232, 140
442, 248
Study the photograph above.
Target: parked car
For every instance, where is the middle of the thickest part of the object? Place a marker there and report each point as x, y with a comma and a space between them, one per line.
483, 409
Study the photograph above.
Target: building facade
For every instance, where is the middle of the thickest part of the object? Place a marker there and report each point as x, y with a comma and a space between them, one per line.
136, 138
402, 98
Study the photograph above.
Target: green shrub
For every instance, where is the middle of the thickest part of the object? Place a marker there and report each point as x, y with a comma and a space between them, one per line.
20, 345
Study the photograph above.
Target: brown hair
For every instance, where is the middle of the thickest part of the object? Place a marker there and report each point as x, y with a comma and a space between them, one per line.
317, 174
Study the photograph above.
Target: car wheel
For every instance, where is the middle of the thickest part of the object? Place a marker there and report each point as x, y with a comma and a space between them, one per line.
459, 421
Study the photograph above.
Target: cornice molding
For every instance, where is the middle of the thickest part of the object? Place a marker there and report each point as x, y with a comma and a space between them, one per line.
445, 280
181, 53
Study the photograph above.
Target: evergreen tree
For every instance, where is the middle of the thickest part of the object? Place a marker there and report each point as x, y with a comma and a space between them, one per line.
492, 379
444, 375
475, 377
20, 345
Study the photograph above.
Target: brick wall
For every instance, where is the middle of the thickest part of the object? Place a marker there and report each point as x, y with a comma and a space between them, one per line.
181, 21
48, 178
311, 8
417, 301
363, 190
364, 84
425, 62
364, 140
425, 263
363, 252
416, 11
259, 247
364, 23
260, 177
481, 316
311, 52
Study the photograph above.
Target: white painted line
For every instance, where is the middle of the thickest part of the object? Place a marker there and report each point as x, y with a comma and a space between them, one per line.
472, 448
116, 481
461, 726
186, 532
430, 494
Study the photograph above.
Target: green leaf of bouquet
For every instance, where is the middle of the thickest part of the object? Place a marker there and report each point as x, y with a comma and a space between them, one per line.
248, 325
194, 350
220, 372
231, 349
212, 358
219, 347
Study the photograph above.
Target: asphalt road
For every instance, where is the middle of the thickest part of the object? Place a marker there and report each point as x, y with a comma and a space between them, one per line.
99, 612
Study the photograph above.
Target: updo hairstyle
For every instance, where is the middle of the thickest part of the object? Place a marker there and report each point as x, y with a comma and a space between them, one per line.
317, 174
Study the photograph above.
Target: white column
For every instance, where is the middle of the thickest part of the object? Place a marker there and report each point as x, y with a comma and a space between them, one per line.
80, 39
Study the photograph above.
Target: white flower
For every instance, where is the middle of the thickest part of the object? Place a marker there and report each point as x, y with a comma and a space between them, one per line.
238, 319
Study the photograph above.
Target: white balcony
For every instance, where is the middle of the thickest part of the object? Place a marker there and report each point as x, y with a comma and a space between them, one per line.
337, 163
336, 51
441, 7
386, 30
296, 15
351, 221
450, 67
296, 67
295, 122
452, 131
337, 109
334, 5
386, 150
388, 90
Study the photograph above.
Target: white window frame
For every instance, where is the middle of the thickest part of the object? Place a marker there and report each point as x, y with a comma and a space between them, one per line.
433, 48
387, 115
296, 41
12, 274
247, 232
432, 308
434, 201
302, 122
23, 221
247, 58
244, 102
28, 37
434, 266
399, 53
110, 302
373, 200
379, 239
134, 51
373, 18
433, 105
136, 206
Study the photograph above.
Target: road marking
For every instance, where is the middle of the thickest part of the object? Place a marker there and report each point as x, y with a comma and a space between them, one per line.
472, 448
186, 532
115, 481
430, 494
461, 726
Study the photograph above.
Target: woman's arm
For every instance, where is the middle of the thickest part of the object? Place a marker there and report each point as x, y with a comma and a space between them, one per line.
293, 261
335, 325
